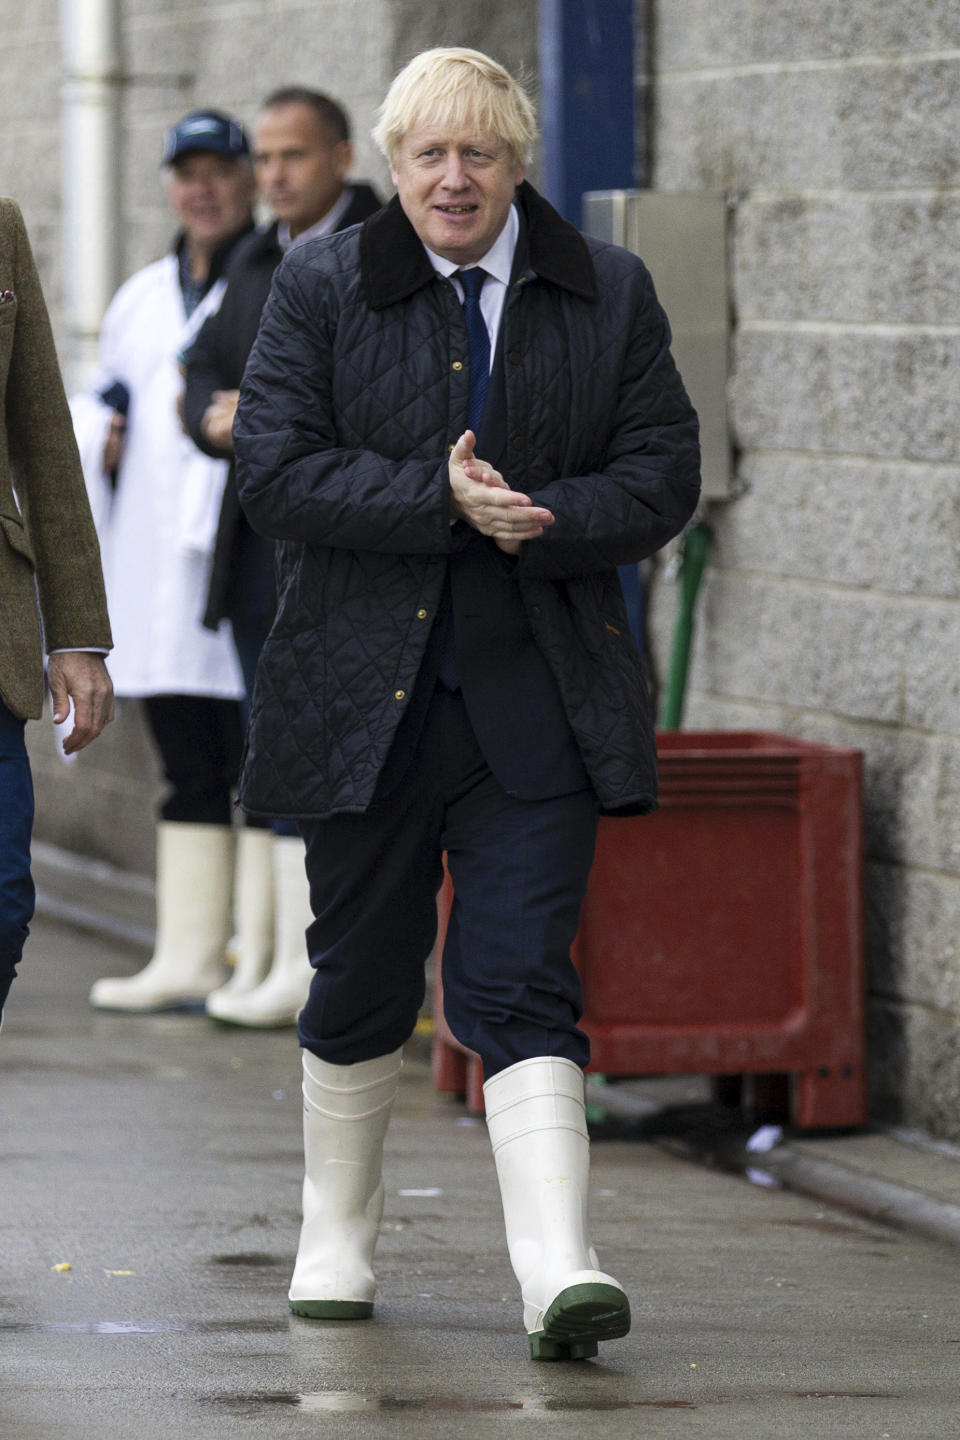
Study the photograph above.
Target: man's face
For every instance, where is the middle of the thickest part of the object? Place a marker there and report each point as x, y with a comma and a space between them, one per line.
211, 195
456, 187
299, 169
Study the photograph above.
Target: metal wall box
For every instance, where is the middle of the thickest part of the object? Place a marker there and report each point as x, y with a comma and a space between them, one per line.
682, 240
724, 935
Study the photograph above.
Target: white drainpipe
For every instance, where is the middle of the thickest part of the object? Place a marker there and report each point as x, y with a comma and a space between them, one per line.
90, 174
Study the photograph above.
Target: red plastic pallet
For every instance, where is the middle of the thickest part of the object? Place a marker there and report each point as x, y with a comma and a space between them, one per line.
724, 934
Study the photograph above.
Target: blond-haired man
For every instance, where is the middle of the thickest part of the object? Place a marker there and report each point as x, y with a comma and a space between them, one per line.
458, 419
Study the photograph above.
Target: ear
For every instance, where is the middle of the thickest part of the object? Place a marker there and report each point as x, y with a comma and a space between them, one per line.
343, 158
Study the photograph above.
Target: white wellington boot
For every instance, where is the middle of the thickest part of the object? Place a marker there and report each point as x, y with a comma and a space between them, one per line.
538, 1130
345, 1113
253, 915
278, 1000
194, 889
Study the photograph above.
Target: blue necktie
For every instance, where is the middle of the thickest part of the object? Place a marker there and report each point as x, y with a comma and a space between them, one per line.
472, 282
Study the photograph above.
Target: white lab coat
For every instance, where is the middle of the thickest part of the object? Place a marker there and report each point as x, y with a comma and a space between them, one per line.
157, 530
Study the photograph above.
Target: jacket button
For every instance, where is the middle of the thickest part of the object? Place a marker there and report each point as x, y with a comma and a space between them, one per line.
399, 694
535, 611
421, 614
458, 364
513, 356
516, 441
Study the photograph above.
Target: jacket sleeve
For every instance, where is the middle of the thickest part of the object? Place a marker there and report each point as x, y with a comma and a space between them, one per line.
47, 472
649, 483
205, 375
295, 482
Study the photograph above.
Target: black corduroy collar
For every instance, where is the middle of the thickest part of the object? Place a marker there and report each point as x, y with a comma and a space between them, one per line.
394, 264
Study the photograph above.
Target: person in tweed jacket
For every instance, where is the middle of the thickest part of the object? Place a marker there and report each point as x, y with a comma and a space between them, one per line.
48, 553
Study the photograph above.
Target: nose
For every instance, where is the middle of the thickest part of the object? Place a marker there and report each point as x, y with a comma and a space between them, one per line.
454, 173
201, 186
269, 172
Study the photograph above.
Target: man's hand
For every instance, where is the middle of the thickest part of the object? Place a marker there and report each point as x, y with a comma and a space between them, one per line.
480, 496
113, 449
81, 677
217, 422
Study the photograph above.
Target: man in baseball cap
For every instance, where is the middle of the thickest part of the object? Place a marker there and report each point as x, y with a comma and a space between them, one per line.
153, 489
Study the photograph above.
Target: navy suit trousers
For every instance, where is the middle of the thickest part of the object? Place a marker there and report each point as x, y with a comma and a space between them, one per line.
16, 822
519, 870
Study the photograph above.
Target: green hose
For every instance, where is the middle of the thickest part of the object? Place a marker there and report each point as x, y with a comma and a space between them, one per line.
696, 551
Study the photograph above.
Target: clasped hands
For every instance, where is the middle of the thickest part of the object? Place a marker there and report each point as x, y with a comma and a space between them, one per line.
480, 496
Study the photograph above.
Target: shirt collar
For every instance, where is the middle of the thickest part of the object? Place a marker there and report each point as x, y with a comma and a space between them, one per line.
324, 226
498, 260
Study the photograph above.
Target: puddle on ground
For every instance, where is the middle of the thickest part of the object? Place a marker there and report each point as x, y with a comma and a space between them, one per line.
343, 1402
247, 1258
269, 1326
848, 1394
88, 1327
145, 1327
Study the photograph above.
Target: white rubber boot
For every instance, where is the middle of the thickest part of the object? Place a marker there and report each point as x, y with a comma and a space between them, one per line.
253, 918
345, 1113
194, 889
538, 1130
278, 1000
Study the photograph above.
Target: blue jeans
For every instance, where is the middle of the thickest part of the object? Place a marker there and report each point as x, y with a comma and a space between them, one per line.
16, 822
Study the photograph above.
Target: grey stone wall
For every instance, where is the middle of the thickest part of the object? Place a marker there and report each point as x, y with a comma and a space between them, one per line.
831, 608
29, 123
178, 54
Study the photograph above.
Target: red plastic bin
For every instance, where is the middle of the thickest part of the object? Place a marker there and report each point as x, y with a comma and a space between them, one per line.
724, 934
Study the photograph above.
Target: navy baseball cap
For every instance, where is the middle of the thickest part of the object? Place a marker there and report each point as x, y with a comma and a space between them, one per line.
204, 130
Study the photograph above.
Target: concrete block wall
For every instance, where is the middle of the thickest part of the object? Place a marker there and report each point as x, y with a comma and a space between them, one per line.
831, 608
30, 124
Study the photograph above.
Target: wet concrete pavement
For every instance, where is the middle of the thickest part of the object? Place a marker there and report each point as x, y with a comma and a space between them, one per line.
160, 1158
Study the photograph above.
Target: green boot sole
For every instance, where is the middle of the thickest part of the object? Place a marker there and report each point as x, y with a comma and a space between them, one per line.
578, 1319
333, 1309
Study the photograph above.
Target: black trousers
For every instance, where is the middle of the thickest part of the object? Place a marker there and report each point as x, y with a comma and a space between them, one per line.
519, 870
200, 741
251, 625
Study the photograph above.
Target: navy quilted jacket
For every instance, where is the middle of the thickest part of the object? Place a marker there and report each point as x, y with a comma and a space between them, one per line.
355, 390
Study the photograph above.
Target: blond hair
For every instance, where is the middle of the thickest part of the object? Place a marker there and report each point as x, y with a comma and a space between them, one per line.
458, 88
